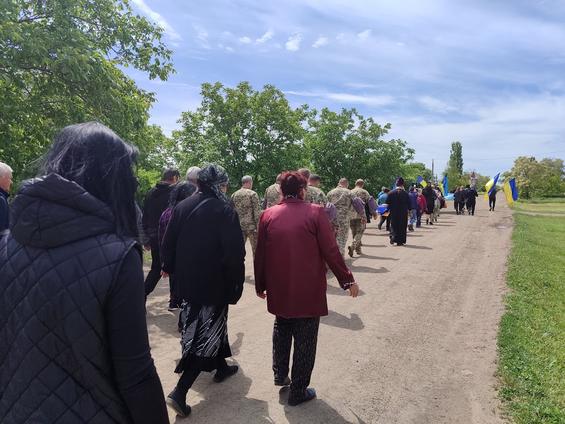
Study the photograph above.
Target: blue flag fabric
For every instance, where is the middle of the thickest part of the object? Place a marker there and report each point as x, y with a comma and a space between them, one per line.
514, 188
495, 180
445, 185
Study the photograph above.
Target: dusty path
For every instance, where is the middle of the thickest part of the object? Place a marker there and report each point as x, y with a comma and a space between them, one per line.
418, 346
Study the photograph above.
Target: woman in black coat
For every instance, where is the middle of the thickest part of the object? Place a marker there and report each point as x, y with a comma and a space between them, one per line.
72, 305
203, 247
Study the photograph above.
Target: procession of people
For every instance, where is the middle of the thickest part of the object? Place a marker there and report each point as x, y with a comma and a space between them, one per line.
77, 228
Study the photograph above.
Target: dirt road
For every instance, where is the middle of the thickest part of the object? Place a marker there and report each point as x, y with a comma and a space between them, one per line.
418, 346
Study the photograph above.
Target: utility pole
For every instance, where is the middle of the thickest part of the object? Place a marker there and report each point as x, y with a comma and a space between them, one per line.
433, 175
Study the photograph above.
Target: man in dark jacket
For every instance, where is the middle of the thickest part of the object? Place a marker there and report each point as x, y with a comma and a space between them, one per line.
471, 199
5, 184
398, 204
156, 201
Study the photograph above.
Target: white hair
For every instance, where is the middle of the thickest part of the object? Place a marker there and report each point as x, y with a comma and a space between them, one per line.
5, 169
192, 173
246, 179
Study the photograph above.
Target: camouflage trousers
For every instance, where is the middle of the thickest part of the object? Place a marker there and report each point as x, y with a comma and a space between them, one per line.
252, 236
342, 234
357, 230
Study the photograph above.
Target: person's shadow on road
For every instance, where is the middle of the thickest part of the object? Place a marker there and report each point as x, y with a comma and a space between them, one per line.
314, 411
226, 402
336, 319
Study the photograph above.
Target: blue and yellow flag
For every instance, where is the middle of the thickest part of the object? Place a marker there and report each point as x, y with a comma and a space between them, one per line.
514, 188
508, 193
444, 186
491, 185
420, 180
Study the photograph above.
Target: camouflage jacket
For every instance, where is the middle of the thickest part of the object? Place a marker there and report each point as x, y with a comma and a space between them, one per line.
272, 196
315, 195
246, 203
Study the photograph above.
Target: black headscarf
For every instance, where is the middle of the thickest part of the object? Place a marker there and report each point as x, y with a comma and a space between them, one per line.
211, 178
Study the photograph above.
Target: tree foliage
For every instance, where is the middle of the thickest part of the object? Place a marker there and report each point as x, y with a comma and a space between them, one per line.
247, 131
454, 169
257, 132
542, 178
60, 64
345, 144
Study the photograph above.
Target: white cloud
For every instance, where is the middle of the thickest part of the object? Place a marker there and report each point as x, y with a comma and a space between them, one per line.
265, 37
293, 42
340, 37
364, 35
436, 105
321, 41
162, 22
360, 99
346, 98
244, 40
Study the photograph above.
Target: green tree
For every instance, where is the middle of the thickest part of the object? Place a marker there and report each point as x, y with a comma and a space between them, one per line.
60, 64
538, 178
454, 169
346, 144
245, 130
411, 171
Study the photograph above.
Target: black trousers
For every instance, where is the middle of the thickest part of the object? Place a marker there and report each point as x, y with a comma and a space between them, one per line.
491, 202
471, 208
154, 274
383, 219
304, 331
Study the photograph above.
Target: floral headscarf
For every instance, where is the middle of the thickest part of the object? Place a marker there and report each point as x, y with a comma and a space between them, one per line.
211, 177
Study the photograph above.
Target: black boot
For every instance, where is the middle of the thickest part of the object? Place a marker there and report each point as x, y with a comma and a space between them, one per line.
178, 402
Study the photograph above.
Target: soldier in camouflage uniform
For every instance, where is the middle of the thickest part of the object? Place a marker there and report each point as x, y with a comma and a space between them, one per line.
246, 203
273, 194
359, 222
342, 198
313, 193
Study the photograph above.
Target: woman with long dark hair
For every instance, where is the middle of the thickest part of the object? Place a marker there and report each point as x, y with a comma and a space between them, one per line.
72, 312
203, 247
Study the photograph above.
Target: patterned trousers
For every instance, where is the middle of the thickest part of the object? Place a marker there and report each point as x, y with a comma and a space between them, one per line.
305, 334
357, 230
252, 236
342, 234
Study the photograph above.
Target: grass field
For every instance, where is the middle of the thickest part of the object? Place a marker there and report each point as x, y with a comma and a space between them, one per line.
553, 206
532, 333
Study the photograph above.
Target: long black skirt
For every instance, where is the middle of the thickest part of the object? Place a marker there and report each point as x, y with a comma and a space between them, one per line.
398, 224
204, 337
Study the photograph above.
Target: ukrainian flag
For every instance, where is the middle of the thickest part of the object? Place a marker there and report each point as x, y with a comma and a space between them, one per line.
420, 180
444, 186
491, 185
510, 191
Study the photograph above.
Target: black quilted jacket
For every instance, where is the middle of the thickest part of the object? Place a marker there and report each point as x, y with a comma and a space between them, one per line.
56, 270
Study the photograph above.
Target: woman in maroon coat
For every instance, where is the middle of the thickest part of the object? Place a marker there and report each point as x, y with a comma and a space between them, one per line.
295, 242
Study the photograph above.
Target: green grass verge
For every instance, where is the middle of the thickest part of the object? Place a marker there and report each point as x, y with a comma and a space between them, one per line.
532, 333
555, 206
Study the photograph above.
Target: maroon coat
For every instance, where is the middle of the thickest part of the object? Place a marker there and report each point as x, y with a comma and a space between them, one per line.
294, 243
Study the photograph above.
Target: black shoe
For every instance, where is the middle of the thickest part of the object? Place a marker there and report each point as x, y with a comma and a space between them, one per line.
309, 394
391, 239
380, 226
285, 382
180, 406
350, 251
410, 228
224, 373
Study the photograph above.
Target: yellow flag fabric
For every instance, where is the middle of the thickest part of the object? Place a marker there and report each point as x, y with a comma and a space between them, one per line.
508, 193
488, 186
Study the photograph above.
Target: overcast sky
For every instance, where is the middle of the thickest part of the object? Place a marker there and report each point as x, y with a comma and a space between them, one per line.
490, 73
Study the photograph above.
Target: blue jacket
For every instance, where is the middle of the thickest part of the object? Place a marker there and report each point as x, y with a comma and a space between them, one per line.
413, 200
